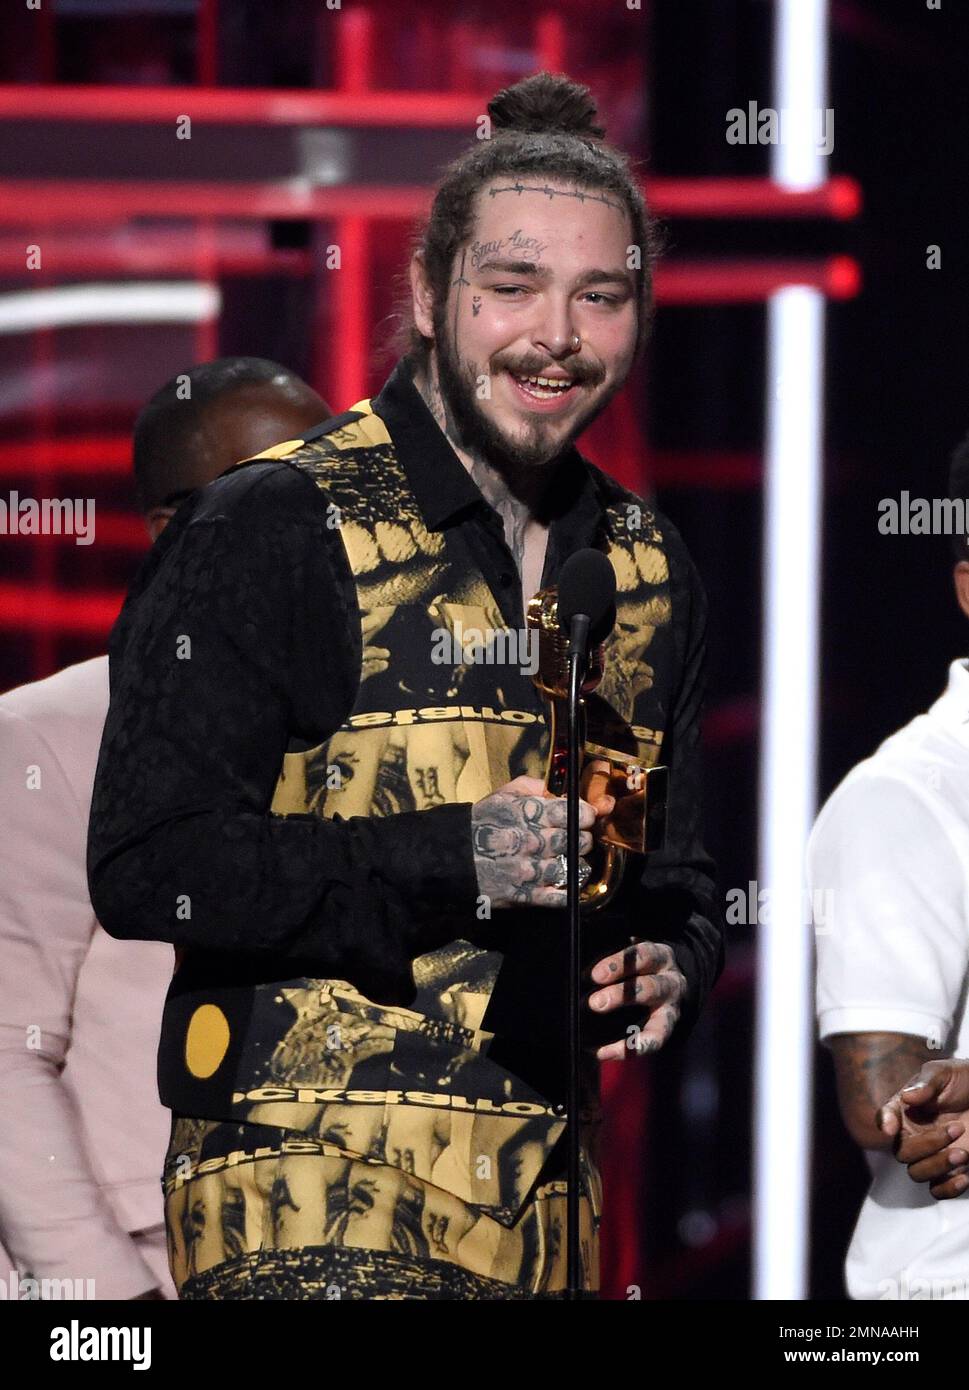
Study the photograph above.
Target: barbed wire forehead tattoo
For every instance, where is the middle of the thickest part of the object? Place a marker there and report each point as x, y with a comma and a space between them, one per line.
582, 195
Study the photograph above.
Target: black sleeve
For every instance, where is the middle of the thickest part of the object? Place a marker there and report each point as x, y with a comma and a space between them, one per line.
242, 610
682, 900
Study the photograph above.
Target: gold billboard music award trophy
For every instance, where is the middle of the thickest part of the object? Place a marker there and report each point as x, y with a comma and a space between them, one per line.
610, 765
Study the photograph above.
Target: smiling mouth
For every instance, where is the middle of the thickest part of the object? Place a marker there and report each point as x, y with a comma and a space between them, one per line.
544, 388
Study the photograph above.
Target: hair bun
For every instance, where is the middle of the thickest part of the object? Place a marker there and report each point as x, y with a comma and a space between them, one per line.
543, 103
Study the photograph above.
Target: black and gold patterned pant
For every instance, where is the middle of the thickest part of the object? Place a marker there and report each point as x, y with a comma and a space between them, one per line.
258, 1212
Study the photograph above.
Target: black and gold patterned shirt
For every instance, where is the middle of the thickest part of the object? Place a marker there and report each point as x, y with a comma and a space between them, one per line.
240, 653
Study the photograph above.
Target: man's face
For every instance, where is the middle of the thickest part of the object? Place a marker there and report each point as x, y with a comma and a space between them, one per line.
537, 270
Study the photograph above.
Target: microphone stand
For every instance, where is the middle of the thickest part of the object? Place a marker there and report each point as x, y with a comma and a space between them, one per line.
578, 643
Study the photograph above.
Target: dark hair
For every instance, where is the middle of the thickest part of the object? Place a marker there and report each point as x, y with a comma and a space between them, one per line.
959, 490
165, 433
545, 126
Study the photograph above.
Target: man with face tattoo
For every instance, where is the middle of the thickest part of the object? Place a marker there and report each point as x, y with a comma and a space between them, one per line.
332, 801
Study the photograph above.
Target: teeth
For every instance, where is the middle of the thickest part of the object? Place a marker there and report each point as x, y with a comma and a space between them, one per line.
547, 382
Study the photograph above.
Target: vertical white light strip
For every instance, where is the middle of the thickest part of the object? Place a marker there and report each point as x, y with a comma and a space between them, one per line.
788, 766
787, 790
800, 61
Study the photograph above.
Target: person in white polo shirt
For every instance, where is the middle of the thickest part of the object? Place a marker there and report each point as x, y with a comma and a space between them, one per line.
84, 1132
891, 847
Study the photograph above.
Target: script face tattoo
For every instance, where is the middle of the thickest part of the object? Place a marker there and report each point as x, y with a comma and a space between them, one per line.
545, 263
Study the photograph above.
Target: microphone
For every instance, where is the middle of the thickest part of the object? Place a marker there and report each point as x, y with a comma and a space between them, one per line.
586, 600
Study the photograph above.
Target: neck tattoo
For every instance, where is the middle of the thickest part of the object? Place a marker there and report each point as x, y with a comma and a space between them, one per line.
517, 512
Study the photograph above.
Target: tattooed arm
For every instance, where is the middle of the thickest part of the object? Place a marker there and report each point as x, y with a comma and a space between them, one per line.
871, 1067
891, 941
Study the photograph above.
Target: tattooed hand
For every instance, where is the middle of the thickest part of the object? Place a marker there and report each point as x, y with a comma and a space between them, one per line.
644, 973
518, 833
925, 1118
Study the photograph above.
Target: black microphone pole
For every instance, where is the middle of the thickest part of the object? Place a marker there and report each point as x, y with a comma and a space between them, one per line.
586, 611
579, 637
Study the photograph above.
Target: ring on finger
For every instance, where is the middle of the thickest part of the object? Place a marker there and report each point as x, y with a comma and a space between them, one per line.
561, 879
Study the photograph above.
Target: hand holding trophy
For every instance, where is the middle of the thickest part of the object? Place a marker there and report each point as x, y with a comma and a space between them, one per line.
636, 823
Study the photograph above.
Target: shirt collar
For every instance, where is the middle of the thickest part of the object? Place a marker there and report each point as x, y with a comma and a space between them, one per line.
443, 486
952, 706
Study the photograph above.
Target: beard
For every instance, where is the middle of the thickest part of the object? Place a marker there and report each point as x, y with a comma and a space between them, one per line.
535, 445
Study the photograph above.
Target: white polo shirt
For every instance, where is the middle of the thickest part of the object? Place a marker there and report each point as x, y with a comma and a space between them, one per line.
891, 849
